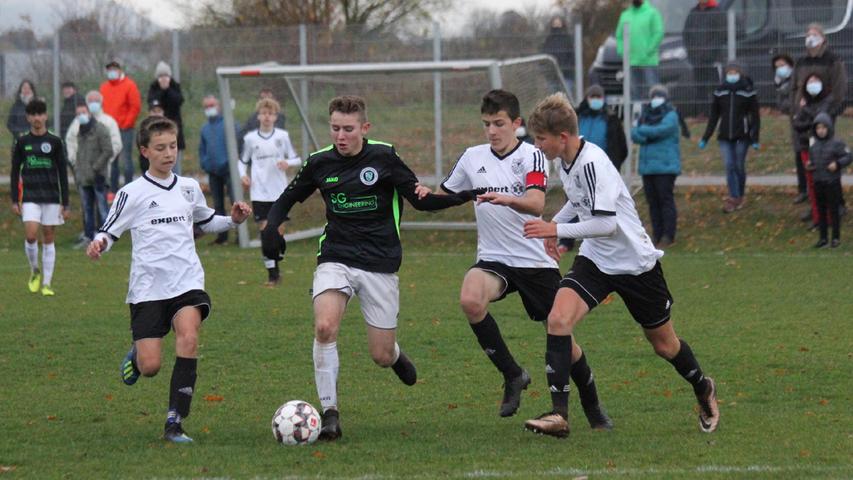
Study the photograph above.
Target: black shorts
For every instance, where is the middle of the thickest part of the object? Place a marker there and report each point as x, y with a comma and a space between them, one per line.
537, 287
261, 210
646, 295
154, 319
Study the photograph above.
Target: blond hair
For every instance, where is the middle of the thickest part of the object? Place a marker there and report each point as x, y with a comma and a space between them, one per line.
554, 114
269, 104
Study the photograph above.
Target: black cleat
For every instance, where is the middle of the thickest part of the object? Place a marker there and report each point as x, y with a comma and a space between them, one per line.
175, 433
549, 423
331, 430
512, 393
597, 418
405, 369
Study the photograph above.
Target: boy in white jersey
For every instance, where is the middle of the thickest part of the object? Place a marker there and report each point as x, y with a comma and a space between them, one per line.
616, 255
166, 288
267, 152
513, 174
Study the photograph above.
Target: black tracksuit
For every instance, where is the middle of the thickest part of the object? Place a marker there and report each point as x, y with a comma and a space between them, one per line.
827, 184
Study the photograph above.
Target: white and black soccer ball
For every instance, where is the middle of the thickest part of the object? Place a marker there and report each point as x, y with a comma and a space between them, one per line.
296, 423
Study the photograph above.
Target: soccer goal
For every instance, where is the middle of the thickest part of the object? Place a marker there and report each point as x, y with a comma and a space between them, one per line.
429, 110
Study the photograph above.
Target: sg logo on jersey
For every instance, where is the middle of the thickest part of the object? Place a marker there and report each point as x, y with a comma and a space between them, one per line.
368, 176
46, 148
188, 193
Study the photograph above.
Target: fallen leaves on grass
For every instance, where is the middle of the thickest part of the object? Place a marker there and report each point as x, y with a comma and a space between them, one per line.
823, 402
452, 406
51, 417
318, 454
213, 398
7, 468
108, 397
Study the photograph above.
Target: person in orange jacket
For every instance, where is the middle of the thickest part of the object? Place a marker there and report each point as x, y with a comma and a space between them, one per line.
122, 102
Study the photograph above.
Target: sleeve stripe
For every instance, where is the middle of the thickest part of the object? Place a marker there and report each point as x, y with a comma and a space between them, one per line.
589, 174
604, 213
447, 177
538, 161
206, 220
122, 200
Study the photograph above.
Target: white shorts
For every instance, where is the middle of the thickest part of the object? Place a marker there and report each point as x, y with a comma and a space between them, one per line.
43, 213
379, 293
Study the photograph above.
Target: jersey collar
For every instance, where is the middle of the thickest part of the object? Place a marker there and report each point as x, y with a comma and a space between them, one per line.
574, 160
501, 157
160, 185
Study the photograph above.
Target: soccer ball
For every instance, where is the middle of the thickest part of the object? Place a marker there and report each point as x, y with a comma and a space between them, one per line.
296, 423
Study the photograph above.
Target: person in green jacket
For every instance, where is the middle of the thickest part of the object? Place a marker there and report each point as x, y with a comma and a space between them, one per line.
646, 35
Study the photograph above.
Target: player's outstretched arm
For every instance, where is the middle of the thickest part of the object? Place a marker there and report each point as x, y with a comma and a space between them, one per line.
97, 246
431, 201
240, 211
532, 202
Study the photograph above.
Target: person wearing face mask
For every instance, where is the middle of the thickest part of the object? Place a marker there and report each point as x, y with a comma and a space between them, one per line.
94, 102
559, 44
167, 91
658, 134
704, 38
122, 102
213, 157
734, 105
820, 59
646, 36
783, 68
599, 126
17, 120
827, 158
70, 100
93, 155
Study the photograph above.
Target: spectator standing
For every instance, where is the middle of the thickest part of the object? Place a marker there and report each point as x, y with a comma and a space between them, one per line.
94, 152
783, 67
122, 102
823, 61
735, 107
70, 100
827, 158
704, 37
213, 157
167, 91
599, 126
658, 134
646, 35
559, 44
17, 121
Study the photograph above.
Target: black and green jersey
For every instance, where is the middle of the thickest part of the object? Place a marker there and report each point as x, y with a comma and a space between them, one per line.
363, 204
40, 162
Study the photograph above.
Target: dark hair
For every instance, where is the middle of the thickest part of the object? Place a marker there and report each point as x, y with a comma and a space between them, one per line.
805, 93
347, 104
30, 83
69, 84
151, 126
37, 106
497, 100
781, 56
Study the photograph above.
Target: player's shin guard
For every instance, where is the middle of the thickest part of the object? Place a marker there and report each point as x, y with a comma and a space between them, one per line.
182, 385
490, 339
48, 261
558, 364
584, 381
687, 366
326, 365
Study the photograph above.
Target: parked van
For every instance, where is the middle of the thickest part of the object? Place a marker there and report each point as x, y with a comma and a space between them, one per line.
763, 29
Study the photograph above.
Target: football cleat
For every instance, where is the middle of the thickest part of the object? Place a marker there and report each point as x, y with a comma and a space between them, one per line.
405, 369
129, 372
709, 411
331, 430
512, 393
549, 423
598, 419
47, 291
34, 282
175, 433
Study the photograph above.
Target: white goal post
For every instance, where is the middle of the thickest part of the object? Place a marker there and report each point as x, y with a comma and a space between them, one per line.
515, 74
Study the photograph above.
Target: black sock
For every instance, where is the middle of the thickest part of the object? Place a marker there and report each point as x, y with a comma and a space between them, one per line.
183, 384
558, 366
489, 336
274, 272
582, 376
688, 367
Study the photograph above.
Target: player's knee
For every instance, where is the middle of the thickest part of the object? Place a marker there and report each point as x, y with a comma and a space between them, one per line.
325, 332
664, 349
148, 367
473, 306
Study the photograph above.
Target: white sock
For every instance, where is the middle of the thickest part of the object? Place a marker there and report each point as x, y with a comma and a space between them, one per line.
396, 353
32, 250
269, 263
48, 260
326, 366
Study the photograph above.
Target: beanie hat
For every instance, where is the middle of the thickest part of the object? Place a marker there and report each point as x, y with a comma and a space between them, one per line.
595, 91
735, 65
162, 69
659, 90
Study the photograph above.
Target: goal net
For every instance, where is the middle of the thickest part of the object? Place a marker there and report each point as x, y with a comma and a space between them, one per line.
430, 112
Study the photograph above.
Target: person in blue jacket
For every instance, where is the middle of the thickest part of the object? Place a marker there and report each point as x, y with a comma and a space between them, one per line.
657, 133
213, 156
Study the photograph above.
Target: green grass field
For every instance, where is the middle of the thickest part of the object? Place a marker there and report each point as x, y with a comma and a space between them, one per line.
767, 316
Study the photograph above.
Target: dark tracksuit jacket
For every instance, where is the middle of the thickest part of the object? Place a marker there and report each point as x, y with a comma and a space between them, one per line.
735, 107
41, 163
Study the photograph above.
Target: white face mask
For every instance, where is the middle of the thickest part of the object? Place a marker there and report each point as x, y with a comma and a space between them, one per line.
211, 112
83, 118
657, 102
26, 98
813, 41
783, 72
113, 74
814, 88
94, 107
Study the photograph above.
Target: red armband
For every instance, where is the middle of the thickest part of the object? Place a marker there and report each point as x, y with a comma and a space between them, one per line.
536, 179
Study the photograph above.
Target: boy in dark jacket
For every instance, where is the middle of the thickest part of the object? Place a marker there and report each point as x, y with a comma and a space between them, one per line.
167, 91
213, 157
601, 127
827, 158
735, 106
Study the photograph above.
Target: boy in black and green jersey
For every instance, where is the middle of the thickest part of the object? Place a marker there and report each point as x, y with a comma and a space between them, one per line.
41, 197
362, 183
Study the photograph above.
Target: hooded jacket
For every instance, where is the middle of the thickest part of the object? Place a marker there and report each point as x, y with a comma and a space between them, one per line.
94, 152
806, 115
617, 146
171, 100
658, 134
830, 68
735, 107
122, 101
646, 34
826, 150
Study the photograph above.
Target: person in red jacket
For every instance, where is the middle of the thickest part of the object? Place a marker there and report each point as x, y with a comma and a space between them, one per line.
122, 102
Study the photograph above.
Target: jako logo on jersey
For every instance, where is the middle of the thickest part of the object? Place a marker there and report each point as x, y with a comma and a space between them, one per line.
46, 148
368, 176
158, 221
331, 179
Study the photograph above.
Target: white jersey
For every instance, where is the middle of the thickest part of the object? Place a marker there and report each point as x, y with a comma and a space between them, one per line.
500, 229
263, 153
160, 216
594, 187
